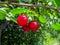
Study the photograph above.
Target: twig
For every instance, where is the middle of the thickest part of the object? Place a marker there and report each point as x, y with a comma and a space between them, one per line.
10, 1
31, 5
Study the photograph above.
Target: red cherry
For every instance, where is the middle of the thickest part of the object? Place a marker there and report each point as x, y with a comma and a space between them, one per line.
22, 20
33, 25
26, 28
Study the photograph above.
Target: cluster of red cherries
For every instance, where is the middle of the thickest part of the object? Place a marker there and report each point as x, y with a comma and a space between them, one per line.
22, 20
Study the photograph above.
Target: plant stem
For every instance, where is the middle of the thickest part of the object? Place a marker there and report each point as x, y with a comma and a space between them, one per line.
31, 5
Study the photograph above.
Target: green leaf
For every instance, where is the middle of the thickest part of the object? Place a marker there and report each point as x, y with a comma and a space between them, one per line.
14, 20
56, 26
42, 19
31, 13
2, 15
17, 11
49, 40
57, 3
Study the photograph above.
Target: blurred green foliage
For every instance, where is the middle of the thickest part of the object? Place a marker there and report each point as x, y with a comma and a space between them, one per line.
49, 20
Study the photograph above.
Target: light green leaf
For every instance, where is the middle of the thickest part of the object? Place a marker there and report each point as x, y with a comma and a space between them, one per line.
42, 19
2, 15
48, 39
14, 20
56, 26
17, 11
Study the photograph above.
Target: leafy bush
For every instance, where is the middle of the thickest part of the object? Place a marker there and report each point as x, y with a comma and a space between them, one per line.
45, 12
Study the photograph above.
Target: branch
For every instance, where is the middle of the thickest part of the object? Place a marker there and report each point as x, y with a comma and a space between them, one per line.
10, 1
32, 5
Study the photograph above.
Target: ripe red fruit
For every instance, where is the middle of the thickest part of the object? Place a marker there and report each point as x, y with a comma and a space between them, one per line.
26, 28
33, 25
22, 20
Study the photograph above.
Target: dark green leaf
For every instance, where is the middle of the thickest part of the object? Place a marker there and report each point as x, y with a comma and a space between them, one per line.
57, 2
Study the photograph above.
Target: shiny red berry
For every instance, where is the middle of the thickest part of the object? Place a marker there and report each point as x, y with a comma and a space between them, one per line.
33, 25
26, 28
22, 20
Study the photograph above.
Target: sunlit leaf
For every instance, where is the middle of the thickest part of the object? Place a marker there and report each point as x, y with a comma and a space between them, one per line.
17, 11
2, 15
42, 19
49, 40
56, 26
